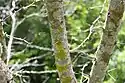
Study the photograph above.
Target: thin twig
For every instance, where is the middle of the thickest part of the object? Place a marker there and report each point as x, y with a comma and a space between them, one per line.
17, 38
91, 27
37, 57
112, 77
83, 74
45, 81
36, 72
20, 66
13, 16
34, 46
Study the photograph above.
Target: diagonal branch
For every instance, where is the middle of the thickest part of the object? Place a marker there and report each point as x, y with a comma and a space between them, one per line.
108, 41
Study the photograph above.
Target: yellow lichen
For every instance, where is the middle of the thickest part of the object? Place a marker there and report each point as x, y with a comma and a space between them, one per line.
60, 51
66, 80
61, 68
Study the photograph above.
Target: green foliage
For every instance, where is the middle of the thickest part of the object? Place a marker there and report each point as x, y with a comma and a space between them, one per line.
80, 16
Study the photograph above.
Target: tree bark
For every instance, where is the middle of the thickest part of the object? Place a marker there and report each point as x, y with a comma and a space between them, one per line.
59, 41
108, 41
3, 48
5, 75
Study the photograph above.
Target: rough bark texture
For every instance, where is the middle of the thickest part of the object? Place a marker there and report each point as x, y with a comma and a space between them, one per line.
5, 75
108, 41
3, 48
59, 40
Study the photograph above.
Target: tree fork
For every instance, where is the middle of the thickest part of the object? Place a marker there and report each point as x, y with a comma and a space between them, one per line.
5, 74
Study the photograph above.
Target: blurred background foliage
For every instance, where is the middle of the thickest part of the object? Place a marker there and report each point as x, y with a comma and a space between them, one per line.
80, 15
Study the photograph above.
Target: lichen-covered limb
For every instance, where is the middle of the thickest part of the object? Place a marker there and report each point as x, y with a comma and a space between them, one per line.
108, 41
5, 75
59, 41
3, 48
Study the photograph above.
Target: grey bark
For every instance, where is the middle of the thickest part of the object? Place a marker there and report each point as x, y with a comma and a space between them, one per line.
3, 48
5, 74
108, 41
59, 41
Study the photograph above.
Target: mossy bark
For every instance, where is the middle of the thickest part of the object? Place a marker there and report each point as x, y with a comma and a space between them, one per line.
3, 47
108, 41
59, 41
5, 75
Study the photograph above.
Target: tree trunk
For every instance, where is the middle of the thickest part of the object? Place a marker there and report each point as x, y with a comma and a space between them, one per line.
59, 41
5, 75
108, 41
3, 47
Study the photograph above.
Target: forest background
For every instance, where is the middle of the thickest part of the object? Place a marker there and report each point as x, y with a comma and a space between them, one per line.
32, 57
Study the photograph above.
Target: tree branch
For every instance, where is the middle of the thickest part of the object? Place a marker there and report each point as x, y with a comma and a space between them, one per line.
108, 41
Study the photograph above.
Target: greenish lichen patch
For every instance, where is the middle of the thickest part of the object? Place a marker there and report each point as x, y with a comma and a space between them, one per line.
60, 51
66, 80
61, 68
60, 30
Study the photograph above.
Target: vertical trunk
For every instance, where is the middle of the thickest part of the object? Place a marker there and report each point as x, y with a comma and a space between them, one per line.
3, 48
108, 41
59, 41
5, 75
